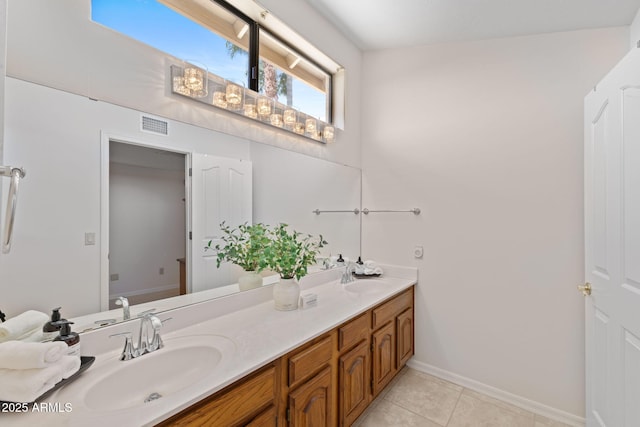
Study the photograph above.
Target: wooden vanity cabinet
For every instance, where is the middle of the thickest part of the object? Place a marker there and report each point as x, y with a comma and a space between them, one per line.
391, 339
354, 369
328, 381
308, 386
251, 401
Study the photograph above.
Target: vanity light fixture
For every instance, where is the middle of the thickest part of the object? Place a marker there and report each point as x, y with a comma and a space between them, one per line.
193, 82
289, 117
264, 107
310, 126
219, 97
234, 96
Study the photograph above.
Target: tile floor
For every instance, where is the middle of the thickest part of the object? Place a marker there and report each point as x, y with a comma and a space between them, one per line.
417, 399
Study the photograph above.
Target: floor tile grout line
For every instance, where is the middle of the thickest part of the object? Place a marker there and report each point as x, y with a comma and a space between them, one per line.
454, 408
414, 413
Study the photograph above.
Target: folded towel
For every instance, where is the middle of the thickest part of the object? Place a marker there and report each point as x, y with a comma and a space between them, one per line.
33, 336
26, 385
30, 355
370, 264
22, 324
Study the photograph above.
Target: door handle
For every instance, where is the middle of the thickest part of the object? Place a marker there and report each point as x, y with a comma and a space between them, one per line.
585, 289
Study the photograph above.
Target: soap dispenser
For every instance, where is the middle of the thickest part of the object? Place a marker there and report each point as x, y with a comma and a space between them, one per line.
50, 330
340, 261
70, 338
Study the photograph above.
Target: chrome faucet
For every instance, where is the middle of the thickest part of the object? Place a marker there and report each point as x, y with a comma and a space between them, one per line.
347, 276
124, 302
147, 343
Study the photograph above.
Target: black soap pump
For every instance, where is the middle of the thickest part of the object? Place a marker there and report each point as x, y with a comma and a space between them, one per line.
70, 338
340, 261
50, 330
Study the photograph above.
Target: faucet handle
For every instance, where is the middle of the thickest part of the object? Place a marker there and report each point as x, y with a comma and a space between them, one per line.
129, 352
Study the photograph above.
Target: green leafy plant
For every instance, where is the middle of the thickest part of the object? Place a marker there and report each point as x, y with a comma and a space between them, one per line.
244, 245
291, 252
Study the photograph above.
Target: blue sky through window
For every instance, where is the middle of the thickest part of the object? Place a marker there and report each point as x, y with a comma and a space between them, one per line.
168, 31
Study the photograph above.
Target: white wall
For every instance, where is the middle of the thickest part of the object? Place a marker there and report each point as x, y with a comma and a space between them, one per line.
303, 184
486, 138
634, 31
147, 228
85, 58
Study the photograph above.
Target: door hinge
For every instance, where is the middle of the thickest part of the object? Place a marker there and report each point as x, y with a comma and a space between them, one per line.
253, 73
288, 415
190, 171
190, 235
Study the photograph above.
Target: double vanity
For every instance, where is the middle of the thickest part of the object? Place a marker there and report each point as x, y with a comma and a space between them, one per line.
237, 361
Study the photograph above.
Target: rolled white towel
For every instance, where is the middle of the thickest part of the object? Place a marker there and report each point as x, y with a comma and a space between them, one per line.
378, 270
26, 385
370, 264
22, 324
34, 336
30, 355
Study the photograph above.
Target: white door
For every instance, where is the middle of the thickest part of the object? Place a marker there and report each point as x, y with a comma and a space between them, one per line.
612, 247
221, 190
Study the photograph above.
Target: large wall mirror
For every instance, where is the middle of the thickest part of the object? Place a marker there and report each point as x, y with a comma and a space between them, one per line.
76, 97
58, 256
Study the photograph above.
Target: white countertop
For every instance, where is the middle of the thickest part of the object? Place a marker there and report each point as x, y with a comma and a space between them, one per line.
260, 334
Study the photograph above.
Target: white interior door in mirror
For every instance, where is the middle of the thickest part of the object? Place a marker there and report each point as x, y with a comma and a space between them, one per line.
221, 191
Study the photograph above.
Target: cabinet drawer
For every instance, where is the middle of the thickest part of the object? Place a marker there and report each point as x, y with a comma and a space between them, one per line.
353, 332
389, 309
306, 363
233, 406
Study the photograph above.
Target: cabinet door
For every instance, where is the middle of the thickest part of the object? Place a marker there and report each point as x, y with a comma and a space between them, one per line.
404, 337
310, 404
384, 356
354, 383
266, 418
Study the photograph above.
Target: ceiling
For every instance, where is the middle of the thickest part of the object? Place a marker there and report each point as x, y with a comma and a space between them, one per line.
383, 24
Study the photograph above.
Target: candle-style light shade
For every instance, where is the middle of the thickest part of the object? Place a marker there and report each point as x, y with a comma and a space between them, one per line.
219, 99
328, 134
250, 110
264, 107
179, 86
276, 119
298, 128
310, 126
234, 96
289, 117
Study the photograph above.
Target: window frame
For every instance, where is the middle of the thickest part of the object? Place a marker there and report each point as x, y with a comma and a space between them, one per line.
254, 54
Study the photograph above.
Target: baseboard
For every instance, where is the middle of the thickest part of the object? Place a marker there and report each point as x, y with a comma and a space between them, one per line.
145, 291
505, 396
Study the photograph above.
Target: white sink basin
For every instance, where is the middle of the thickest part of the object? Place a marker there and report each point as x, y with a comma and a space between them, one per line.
365, 286
182, 362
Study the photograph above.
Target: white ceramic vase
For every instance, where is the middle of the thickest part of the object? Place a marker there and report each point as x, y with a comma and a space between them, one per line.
286, 294
249, 280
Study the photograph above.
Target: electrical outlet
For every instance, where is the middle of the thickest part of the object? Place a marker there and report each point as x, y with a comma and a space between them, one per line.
114, 277
161, 270
418, 252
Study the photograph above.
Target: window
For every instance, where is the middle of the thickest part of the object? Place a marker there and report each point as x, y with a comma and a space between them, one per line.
228, 43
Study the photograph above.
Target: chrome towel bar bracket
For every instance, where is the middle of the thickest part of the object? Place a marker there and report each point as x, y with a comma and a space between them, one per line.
415, 211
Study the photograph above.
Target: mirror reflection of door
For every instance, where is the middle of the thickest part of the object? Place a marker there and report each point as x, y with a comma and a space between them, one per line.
147, 223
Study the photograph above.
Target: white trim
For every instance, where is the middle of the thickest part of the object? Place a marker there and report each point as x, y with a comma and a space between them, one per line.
505, 396
145, 291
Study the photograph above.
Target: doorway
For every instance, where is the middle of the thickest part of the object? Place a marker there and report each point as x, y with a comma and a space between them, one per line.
147, 213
